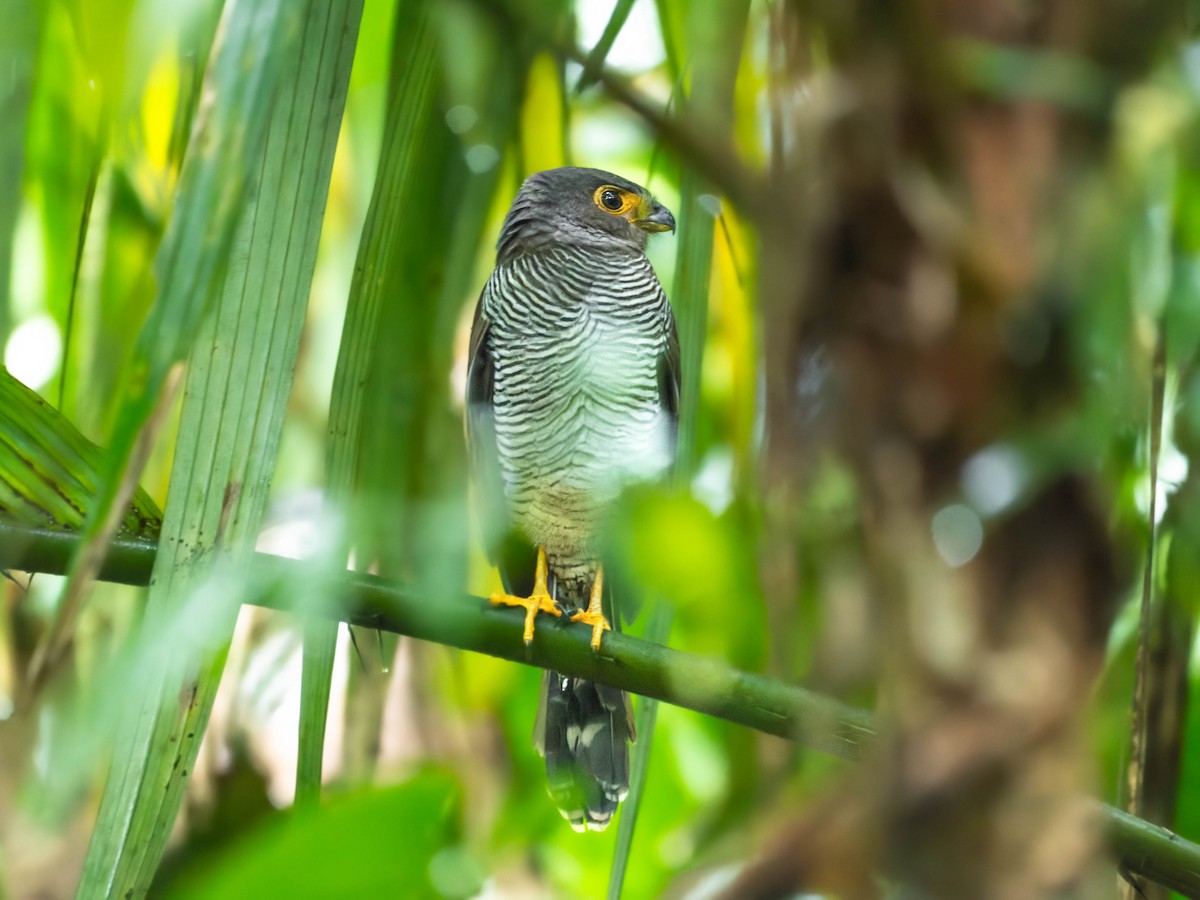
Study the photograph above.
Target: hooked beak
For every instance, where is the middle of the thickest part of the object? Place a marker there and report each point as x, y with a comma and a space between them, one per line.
658, 219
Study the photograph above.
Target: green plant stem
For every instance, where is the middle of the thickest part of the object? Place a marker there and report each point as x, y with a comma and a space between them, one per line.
598, 54
1152, 852
694, 682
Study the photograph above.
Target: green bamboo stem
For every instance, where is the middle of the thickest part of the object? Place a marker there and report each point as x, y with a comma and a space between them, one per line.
1152, 852
698, 683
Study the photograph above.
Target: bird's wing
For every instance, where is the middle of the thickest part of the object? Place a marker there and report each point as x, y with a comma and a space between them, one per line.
669, 365
481, 438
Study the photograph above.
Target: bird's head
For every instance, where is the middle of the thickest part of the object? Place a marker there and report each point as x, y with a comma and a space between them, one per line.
580, 207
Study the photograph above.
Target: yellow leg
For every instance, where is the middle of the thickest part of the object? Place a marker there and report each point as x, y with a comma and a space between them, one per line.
538, 601
594, 614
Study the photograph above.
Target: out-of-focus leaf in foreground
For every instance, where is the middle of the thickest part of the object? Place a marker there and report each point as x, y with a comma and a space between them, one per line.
349, 848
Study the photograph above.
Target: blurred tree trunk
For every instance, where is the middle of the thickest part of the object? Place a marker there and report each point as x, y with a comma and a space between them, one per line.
920, 322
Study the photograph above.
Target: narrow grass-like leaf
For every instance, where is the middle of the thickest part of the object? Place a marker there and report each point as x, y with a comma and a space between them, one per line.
709, 101
658, 629
689, 297
73, 86
671, 17
316, 682
599, 53
412, 96
238, 381
717, 40
1150, 608
545, 124
85, 218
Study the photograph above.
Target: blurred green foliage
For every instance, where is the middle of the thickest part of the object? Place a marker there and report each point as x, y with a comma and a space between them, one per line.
450, 105
398, 839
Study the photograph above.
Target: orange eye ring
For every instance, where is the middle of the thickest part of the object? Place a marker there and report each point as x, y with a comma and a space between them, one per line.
614, 200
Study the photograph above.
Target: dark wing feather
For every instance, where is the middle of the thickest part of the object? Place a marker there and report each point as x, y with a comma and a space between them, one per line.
668, 380
481, 438
505, 548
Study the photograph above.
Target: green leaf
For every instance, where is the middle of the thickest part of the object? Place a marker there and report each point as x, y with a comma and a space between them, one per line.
717, 40
349, 848
595, 59
238, 382
412, 99
658, 629
49, 471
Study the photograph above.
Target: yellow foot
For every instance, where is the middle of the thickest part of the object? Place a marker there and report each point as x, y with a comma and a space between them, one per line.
538, 601
594, 614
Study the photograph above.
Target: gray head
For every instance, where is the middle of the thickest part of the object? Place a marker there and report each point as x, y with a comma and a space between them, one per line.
580, 207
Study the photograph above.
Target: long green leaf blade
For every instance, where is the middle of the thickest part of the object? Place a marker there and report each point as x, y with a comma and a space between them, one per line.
658, 629
412, 95
717, 41
239, 378
599, 53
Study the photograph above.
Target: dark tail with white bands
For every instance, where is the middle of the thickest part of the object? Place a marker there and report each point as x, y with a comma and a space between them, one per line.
584, 730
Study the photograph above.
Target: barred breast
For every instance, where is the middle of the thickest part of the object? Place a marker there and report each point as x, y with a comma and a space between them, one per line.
575, 339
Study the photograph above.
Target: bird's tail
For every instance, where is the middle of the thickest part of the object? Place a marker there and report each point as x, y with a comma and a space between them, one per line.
584, 730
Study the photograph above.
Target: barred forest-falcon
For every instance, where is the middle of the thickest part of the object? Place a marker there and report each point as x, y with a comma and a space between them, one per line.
572, 394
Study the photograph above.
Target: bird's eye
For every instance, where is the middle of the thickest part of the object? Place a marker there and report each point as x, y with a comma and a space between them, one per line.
614, 200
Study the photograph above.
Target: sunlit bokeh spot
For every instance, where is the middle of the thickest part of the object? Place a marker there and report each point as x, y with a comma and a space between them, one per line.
454, 872
33, 351
608, 135
993, 478
710, 203
482, 157
703, 768
28, 263
461, 119
1172, 471
957, 533
713, 484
